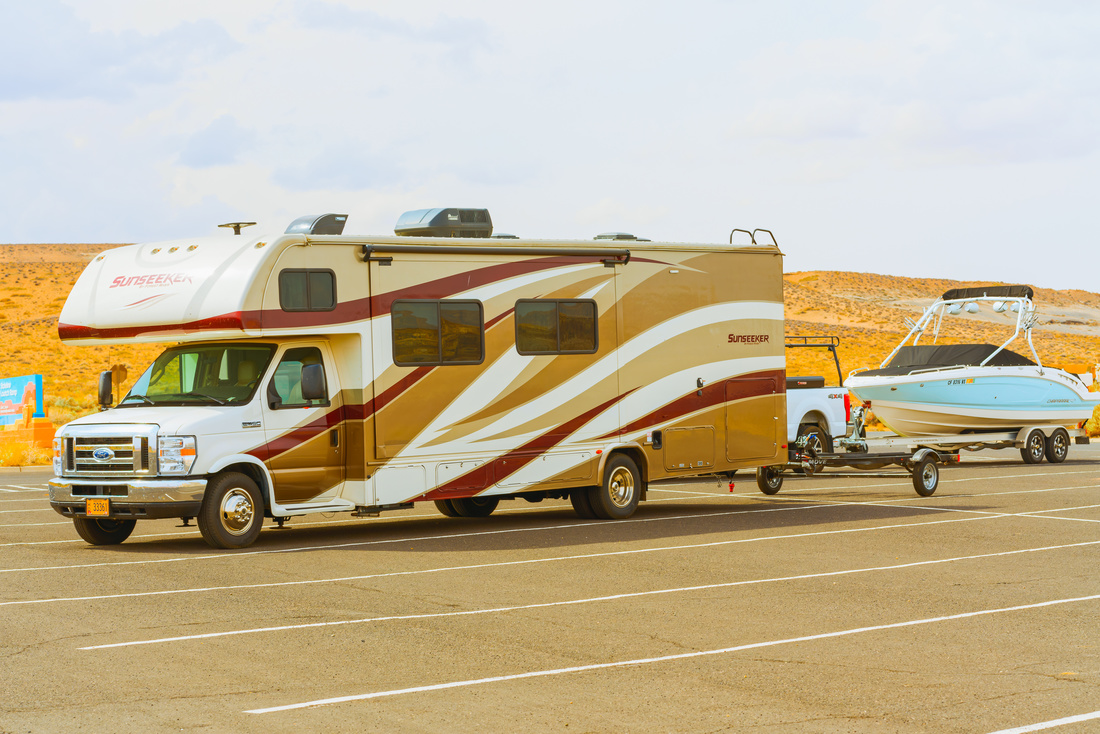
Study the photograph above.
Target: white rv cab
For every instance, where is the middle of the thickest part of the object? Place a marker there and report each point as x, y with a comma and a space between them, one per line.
315, 371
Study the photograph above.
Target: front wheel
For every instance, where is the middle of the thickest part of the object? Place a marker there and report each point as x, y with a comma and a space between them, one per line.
103, 532
1057, 446
768, 479
232, 513
1034, 447
617, 497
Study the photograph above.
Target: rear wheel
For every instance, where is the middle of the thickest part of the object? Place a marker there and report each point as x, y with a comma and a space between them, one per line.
926, 477
579, 499
1034, 447
446, 508
617, 497
817, 440
475, 506
103, 532
232, 513
768, 479
1057, 446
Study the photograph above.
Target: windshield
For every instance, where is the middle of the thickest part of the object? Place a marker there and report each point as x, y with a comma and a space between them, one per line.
207, 374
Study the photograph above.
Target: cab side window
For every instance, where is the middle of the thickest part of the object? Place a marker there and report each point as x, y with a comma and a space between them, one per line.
285, 388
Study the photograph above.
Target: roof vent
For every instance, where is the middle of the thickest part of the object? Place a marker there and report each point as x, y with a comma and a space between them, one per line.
314, 224
445, 223
505, 236
618, 236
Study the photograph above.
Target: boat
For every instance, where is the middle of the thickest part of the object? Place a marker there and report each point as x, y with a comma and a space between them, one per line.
928, 389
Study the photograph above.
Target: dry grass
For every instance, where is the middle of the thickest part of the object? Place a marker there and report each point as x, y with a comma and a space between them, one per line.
23, 454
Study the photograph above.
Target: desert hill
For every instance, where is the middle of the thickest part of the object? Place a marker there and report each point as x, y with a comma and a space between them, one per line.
867, 311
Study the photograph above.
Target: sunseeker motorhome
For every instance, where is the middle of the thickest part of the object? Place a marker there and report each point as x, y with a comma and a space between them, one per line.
315, 371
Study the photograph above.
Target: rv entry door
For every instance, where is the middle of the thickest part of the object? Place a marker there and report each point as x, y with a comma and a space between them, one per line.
304, 424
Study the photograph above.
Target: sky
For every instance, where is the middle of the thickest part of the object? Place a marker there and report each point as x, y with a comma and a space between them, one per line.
952, 139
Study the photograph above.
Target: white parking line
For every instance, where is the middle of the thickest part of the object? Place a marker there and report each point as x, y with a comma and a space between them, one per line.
665, 658
571, 602
498, 564
1051, 724
32, 509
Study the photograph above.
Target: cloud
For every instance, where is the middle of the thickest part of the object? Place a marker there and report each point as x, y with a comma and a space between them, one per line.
48, 53
219, 144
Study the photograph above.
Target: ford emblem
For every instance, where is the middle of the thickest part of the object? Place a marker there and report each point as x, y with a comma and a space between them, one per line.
103, 454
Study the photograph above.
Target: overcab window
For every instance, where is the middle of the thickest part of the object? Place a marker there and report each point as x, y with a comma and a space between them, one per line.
438, 332
556, 327
307, 290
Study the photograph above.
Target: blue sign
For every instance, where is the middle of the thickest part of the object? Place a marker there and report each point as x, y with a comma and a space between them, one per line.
18, 394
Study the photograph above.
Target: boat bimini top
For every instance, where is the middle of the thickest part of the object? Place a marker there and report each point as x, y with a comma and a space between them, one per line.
910, 356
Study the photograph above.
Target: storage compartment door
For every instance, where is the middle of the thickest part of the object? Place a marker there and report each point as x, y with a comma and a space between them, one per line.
753, 418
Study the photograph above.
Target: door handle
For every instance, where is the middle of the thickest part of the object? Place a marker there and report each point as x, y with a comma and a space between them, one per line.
334, 438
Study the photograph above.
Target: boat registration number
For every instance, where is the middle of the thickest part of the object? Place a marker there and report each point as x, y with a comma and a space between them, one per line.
98, 507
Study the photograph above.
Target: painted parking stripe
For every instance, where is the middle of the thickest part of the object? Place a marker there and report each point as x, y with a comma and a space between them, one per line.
1051, 724
667, 658
497, 564
573, 602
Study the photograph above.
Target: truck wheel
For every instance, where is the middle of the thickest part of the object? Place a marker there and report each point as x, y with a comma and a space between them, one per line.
232, 512
768, 479
475, 506
1034, 447
1057, 446
817, 439
926, 477
617, 497
103, 532
579, 499
446, 508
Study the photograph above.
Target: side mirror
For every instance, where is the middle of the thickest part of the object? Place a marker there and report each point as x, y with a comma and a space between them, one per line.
106, 390
313, 382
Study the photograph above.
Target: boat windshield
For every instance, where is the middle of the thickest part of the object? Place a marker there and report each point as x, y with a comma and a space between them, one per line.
206, 374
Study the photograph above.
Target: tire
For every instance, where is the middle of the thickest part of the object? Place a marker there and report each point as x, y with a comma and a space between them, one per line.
926, 477
818, 439
579, 499
617, 497
1034, 447
232, 512
103, 532
445, 507
475, 506
769, 479
1057, 446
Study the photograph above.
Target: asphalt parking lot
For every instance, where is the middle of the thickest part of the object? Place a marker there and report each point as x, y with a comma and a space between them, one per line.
841, 604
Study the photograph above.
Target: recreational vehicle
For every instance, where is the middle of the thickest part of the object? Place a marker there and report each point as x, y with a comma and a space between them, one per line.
315, 371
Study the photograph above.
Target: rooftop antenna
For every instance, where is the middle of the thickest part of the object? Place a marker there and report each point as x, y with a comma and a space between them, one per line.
237, 226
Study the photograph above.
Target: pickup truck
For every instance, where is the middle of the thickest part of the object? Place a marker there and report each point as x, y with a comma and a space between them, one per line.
814, 409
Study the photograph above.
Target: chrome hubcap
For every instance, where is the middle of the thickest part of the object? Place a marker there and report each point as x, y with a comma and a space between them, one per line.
237, 511
928, 476
621, 487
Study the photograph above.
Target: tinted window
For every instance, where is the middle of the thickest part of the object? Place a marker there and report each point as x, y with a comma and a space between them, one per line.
438, 332
285, 388
307, 290
556, 327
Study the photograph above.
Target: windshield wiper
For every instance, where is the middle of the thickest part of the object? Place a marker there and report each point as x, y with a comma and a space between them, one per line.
219, 401
135, 395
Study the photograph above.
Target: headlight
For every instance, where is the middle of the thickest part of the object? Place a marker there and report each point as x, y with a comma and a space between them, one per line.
175, 454
58, 456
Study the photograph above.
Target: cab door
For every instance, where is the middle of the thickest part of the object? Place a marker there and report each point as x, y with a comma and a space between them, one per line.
305, 438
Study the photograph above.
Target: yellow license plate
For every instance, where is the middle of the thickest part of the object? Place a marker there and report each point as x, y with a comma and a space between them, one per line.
98, 507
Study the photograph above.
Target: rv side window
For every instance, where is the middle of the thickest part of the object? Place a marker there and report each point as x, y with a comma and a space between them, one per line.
556, 327
438, 332
285, 388
307, 290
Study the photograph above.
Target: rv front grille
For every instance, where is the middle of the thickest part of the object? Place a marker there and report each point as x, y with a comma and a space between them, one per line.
90, 455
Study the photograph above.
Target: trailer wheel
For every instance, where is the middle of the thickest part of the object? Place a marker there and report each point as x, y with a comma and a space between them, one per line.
1034, 447
769, 479
926, 477
617, 497
1057, 446
579, 499
445, 507
232, 512
103, 532
475, 506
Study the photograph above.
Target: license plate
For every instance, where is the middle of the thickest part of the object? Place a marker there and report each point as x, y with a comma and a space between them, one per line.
100, 507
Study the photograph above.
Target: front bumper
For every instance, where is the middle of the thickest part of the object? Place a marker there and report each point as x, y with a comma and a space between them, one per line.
129, 498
